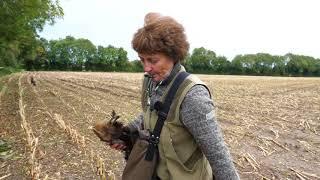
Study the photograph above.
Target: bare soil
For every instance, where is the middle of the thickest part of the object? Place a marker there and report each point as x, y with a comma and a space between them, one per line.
270, 124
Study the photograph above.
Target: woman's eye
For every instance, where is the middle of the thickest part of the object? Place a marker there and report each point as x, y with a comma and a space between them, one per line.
154, 61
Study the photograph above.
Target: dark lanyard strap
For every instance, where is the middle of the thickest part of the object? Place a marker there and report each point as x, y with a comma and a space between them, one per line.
163, 109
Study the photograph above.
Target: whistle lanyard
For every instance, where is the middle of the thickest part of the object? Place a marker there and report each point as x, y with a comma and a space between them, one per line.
152, 90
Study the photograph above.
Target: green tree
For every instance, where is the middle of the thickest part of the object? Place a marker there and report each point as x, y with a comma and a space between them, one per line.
221, 65
243, 64
263, 64
201, 60
279, 66
20, 22
236, 66
135, 66
40, 60
300, 65
70, 53
110, 59
258, 64
82, 51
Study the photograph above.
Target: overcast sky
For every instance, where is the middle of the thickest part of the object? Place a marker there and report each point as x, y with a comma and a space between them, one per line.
227, 27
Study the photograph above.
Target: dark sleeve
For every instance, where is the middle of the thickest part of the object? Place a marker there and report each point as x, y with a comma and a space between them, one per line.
198, 115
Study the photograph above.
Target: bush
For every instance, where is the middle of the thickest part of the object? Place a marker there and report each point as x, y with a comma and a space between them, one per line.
8, 70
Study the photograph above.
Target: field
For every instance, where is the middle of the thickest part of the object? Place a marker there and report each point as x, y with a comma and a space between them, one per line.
270, 124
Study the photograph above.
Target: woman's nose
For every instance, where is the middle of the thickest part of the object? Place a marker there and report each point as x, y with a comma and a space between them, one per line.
147, 67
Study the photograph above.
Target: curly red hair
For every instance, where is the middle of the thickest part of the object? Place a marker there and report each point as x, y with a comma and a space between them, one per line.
161, 34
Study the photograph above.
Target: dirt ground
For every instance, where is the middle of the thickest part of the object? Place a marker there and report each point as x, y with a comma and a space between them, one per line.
270, 124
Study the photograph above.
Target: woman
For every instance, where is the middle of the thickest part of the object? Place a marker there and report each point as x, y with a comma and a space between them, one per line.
191, 144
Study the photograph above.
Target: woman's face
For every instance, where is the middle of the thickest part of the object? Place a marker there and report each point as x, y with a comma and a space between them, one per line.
157, 65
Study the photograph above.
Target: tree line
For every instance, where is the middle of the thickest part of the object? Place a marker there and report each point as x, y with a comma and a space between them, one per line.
21, 47
71, 54
206, 61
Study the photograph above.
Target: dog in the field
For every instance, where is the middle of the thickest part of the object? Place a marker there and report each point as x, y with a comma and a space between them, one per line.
33, 81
